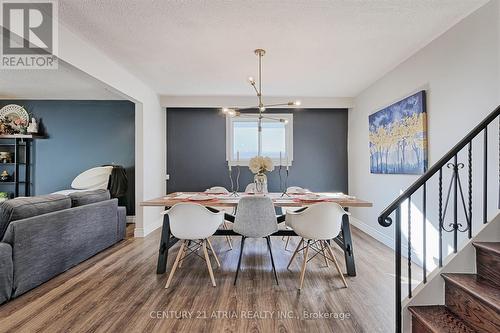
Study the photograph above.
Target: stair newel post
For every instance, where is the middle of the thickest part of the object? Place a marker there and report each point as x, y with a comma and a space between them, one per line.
485, 177
398, 268
455, 204
424, 231
440, 217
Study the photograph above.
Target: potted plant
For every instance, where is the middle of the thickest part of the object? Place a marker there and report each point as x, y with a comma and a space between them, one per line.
4, 196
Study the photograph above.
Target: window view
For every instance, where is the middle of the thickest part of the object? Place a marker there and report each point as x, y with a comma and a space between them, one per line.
273, 139
244, 140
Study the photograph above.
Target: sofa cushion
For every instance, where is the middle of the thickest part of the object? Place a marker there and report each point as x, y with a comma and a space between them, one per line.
25, 207
88, 197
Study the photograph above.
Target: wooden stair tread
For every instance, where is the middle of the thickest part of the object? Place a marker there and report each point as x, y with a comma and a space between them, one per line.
480, 288
439, 319
488, 246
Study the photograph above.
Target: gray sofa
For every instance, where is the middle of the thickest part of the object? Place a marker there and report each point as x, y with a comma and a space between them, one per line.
44, 236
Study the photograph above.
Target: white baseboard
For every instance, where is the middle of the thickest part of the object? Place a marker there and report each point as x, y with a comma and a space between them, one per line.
130, 219
139, 232
384, 239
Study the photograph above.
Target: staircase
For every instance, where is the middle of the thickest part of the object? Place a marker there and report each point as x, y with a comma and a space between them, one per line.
472, 301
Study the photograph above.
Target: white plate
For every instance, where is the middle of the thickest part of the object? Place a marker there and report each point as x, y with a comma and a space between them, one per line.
201, 198
309, 197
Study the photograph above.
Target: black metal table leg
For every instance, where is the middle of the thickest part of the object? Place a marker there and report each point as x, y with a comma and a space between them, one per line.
164, 246
348, 247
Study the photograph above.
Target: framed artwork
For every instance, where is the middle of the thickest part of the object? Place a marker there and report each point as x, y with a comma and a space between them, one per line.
398, 137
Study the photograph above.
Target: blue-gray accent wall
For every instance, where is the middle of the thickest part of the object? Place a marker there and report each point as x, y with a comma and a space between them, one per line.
196, 150
81, 135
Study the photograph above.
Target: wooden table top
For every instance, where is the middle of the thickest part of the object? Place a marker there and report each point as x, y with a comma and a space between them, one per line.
219, 200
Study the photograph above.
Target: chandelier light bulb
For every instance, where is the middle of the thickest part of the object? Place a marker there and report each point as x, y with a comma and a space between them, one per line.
225, 110
262, 109
251, 80
297, 103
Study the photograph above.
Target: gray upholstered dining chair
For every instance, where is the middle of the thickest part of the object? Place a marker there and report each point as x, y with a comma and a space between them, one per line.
255, 218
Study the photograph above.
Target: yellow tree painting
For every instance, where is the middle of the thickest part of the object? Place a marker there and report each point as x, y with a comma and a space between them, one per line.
398, 137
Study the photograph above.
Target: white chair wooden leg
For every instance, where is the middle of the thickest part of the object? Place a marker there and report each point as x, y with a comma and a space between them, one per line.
304, 264
336, 263
181, 260
295, 253
228, 238
174, 267
324, 253
213, 252
209, 264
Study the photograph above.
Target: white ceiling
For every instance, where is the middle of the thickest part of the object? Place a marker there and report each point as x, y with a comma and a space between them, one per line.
324, 48
64, 83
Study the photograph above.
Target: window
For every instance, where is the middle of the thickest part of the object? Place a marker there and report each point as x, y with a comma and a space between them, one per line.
244, 141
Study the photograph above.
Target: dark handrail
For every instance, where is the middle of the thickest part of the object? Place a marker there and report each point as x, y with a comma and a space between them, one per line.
384, 219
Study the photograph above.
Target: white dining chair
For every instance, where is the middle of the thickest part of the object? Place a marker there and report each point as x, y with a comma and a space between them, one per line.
193, 224
222, 190
255, 218
291, 189
316, 225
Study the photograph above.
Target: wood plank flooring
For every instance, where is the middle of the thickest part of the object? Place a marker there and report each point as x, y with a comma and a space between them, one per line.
119, 291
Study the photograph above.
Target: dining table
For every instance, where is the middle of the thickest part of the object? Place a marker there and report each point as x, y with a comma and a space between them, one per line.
216, 201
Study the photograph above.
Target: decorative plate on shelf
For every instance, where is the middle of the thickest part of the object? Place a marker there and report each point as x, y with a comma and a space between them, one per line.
14, 112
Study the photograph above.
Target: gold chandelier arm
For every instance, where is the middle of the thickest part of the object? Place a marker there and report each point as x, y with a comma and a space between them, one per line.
275, 119
255, 88
247, 108
260, 79
278, 104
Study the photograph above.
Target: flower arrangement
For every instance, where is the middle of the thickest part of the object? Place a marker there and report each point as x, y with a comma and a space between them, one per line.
260, 164
12, 125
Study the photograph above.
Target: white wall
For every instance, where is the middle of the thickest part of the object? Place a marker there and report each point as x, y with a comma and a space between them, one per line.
150, 121
460, 72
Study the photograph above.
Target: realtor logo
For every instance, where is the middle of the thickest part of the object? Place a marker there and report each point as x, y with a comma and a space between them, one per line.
29, 31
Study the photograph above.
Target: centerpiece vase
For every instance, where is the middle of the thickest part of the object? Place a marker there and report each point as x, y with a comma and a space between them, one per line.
260, 180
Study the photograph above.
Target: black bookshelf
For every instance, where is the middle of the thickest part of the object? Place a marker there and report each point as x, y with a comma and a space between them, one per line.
20, 168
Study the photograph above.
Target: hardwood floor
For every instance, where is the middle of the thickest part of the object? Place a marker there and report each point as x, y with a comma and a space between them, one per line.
119, 291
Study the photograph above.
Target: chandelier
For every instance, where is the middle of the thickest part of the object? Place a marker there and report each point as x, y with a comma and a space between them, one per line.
261, 107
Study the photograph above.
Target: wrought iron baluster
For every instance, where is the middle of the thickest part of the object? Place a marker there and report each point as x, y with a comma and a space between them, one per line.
455, 204
441, 217
409, 247
470, 190
424, 227
398, 268
485, 177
